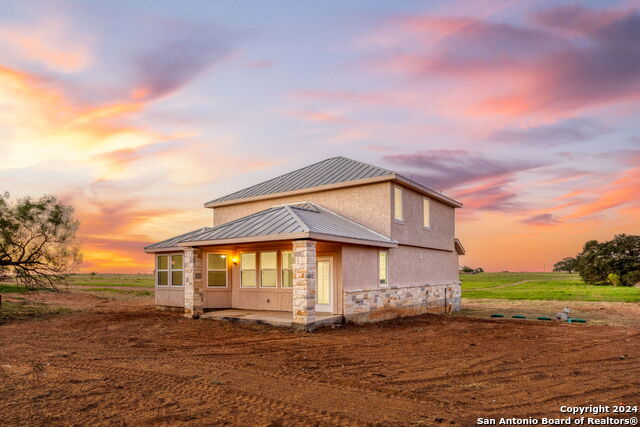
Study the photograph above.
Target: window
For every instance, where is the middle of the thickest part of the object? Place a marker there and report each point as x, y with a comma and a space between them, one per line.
426, 213
162, 270
397, 204
176, 270
169, 270
217, 270
248, 270
268, 269
383, 267
287, 269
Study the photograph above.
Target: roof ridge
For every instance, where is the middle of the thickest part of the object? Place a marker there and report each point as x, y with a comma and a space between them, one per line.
297, 219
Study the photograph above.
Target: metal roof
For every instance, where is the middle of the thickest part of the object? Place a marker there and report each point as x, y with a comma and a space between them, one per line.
336, 171
283, 222
330, 171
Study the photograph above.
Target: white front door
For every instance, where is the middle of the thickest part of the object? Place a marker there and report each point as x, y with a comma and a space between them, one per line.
324, 294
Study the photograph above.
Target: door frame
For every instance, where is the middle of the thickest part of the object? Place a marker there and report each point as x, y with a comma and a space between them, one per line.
326, 308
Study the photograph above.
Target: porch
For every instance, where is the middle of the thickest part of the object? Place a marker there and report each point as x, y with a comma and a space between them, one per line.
267, 317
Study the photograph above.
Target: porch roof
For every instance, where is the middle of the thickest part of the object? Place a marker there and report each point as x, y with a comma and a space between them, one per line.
282, 222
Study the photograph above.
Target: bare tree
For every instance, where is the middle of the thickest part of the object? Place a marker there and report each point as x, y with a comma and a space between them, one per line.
38, 245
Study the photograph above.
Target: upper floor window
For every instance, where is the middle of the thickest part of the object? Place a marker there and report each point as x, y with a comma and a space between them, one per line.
383, 267
169, 270
426, 213
287, 269
248, 270
397, 204
268, 269
217, 270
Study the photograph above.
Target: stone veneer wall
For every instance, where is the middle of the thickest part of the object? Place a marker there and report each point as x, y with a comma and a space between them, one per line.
193, 283
304, 282
371, 305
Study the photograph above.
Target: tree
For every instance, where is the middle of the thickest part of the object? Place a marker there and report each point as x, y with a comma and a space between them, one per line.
38, 245
619, 256
478, 270
567, 264
467, 269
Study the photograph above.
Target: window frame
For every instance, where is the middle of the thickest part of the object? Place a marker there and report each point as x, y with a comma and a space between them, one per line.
171, 270
255, 269
226, 270
282, 269
386, 268
168, 270
259, 267
428, 203
397, 189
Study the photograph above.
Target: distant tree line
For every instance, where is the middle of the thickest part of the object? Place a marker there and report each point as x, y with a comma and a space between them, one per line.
616, 262
466, 269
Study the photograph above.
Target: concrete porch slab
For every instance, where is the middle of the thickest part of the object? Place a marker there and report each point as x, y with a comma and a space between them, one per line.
264, 317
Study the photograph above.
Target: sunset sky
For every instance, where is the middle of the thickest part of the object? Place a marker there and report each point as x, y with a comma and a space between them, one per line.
137, 113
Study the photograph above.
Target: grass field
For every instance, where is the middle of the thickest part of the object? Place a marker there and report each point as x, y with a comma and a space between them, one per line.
541, 286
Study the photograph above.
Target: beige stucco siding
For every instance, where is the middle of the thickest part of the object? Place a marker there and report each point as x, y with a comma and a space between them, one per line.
169, 296
407, 266
411, 231
411, 265
366, 204
360, 267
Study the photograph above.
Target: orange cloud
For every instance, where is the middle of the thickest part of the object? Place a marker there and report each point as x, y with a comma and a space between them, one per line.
46, 44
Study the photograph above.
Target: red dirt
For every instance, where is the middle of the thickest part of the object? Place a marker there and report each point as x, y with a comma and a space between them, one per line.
139, 366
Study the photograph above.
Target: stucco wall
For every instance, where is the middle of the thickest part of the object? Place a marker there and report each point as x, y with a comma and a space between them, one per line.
169, 296
407, 266
366, 204
410, 265
411, 231
360, 267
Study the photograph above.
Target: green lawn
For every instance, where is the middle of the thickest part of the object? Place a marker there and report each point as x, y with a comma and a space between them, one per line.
113, 280
541, 286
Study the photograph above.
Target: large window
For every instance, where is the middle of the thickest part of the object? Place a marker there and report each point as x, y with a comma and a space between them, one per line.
169, 270
287, 269
398, 215
248, 270
217, 270
268, 269
426, 213
383, 267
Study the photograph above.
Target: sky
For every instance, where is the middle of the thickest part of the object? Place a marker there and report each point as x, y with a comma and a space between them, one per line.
137, 113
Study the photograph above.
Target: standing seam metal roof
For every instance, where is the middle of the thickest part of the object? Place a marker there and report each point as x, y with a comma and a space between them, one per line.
281, 220
330, 171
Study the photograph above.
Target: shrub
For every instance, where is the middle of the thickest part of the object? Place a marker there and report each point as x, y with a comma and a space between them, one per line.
632, 278
613, 279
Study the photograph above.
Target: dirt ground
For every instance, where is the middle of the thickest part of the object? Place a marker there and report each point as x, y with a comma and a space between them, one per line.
115, 361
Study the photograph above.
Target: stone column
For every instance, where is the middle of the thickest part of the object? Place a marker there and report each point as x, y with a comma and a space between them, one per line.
193, 283
304, 283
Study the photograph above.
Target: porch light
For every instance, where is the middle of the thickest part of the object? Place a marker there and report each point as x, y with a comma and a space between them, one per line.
235, 260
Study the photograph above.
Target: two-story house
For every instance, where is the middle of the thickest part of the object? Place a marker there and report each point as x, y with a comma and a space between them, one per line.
339, 237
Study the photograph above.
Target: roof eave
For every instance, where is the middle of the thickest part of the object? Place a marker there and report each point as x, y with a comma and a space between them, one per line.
165, 249
383, 178
291, 236
425, 190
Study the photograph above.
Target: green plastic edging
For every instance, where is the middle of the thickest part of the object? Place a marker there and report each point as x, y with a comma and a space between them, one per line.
544, 318
497, 315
